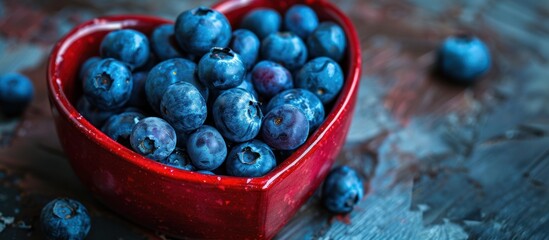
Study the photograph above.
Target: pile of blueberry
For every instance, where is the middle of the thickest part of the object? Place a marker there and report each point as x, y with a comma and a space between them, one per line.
198, 96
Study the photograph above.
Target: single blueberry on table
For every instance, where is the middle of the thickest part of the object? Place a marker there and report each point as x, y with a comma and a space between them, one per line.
221, 69
92, 114
167, 73
262, 22
108, 84
237, 115
126, 45
301, 20
183, 107
250, 159
246, 44
16, 93
206, 148
463, 58
322, 76
138, 96
304, 100
65, 218
285, 127
179, 158
119, 127
200, 29
342, 190
86, 66
327, 40
285, 48
153, 138
163, 42
270, 78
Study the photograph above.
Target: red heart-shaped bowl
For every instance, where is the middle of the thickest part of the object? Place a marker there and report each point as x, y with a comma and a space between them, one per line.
183, 203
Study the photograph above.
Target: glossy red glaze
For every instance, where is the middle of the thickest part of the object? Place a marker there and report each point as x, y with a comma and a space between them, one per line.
183, 203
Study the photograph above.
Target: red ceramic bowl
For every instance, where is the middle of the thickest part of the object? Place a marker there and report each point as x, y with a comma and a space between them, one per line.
183, 203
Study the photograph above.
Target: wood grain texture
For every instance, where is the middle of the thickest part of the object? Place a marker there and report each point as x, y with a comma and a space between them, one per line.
443, 161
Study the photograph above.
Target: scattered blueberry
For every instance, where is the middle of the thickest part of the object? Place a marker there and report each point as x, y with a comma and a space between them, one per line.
304, 100
285, 127
342, 190
163, 42
108, 84
301, 20
64, 218
206, 148
16, 93
285, 48
270, 78
327, 40
119, 127
167, 73
179, 158
86, 66
94, 115
221, 69
183, 107
250, 159
153, 138
200, 29
262, 22
246, 44
138, 96
463, 58
237, 115
126, 45
322, 76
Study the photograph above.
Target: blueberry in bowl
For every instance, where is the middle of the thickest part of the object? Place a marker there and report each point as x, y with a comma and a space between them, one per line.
151, 193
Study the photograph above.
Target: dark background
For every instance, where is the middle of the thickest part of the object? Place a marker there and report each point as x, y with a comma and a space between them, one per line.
444, 161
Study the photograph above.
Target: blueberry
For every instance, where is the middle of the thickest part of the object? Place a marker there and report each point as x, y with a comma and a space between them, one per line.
94, 115
237, 115
108, 84
262, 22
250, 159
285, 127
206, 148
304, 100
179, 158
126, 45
322, 76
163, 42
285, 48
221, 69
64, 218
167, 73
154, 138
248, 85
183, 107
206, 172
463, 58
16, 93
86, 66
246, 44
270, 78
327, 40
301, 20
138, 96
200, 29
342, 190
119, 127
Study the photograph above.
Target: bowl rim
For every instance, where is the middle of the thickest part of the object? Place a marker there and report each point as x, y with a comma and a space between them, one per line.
68, 111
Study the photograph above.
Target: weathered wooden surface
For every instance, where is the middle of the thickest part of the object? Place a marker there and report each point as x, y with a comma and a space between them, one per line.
444, 161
